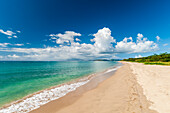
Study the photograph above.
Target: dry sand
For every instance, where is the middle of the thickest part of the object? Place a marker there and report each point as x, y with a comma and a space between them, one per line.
118, 94
155, 81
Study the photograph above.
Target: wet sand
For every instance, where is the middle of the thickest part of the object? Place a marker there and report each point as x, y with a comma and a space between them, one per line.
119, 93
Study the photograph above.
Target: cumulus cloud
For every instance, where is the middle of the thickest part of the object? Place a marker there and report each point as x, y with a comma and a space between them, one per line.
9, 33
103, 40
140, 46
67, 37
157, 38
139, 37
68, 47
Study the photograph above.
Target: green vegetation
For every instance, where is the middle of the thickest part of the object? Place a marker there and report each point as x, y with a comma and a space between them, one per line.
161, 59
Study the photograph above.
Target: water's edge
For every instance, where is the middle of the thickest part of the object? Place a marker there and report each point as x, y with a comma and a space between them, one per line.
35, 100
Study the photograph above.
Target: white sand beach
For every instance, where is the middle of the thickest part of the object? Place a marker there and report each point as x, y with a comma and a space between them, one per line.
155, 81
134, 88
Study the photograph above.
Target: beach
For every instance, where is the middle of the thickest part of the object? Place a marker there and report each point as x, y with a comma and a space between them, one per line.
131, 89
154, 80
84, 56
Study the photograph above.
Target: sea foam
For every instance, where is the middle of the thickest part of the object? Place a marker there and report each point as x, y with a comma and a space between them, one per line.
113, 69
42, 98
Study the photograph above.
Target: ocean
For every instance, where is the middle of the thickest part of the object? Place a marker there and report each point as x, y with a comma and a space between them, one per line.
21, 78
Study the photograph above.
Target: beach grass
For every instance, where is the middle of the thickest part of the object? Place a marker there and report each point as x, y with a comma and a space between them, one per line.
157, 63
153, 63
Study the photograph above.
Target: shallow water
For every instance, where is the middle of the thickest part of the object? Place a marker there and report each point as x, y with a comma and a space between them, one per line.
18, 79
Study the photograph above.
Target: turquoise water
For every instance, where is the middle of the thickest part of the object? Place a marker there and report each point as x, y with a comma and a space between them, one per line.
18, 79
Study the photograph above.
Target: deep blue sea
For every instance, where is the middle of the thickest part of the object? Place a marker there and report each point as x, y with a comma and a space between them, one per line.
20, 78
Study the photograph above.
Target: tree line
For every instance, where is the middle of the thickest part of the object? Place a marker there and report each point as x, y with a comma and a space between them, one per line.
163, 57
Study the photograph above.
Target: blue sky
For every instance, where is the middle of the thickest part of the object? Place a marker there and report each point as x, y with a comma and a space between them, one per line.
47, 29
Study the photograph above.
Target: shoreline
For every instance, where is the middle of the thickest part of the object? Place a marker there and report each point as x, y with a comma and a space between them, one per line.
133, 88
85, 79
119, 93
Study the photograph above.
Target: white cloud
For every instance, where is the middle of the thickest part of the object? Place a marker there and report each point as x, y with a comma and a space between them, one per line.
19, 31
77, 39
138, 56
67, 38
165, 44
1, 57
18, 44
140, 46
140, 36
157, 38
69, 49
78, 51
13, 56
15, 36
4, 44
9, 33
103, 40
